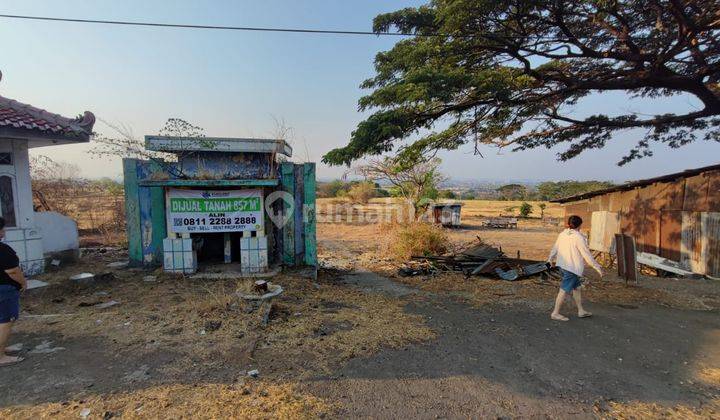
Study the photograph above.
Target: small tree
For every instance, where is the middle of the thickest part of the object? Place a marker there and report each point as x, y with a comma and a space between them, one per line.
126, 145
467, 195
542, 207
415, 183
525, 209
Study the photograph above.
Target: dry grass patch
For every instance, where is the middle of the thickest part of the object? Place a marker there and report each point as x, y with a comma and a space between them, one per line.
710, 376
637, 410
207, 401
406, 240
311, 329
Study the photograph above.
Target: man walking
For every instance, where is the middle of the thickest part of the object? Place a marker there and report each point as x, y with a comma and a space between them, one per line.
12, 282
571, 251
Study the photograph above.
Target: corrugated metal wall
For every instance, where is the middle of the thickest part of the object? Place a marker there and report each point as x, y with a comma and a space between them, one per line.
678, 220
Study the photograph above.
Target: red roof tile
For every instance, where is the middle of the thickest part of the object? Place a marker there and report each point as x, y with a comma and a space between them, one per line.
14, 114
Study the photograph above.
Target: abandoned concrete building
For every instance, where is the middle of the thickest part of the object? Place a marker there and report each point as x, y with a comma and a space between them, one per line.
675, 217
35, 236
220, 204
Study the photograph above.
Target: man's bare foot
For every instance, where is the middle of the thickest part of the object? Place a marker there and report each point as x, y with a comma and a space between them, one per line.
10, 360
584, 314
558, 317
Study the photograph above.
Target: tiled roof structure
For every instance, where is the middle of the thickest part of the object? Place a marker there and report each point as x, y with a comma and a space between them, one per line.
14, 114
17, 115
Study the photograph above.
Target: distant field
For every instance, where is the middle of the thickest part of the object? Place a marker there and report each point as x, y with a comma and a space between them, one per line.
471, 208
496, 208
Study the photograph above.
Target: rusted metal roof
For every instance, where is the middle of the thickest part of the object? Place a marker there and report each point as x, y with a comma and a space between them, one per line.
640, 183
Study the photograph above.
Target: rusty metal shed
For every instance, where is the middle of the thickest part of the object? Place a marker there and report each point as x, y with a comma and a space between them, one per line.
675, 216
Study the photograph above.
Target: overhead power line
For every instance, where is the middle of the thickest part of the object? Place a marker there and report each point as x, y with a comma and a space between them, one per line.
226, 28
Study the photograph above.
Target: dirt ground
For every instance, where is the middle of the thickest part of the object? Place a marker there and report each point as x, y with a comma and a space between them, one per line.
361, 341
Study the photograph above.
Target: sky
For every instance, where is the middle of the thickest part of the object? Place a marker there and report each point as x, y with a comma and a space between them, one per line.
238, 84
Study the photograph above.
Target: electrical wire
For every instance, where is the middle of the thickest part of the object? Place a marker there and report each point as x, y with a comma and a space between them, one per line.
227, 28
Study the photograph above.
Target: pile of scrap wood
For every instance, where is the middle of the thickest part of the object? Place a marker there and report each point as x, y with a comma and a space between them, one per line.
480, 260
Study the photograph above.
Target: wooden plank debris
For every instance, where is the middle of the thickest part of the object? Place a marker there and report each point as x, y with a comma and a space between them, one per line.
479, 260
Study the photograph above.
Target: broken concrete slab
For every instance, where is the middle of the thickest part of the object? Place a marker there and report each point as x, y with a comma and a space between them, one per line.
150, 279
36, 284
83, 278
46, 348
118, 264
106, 305
14, 348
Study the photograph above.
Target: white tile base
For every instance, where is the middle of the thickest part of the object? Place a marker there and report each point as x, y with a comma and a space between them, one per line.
179, 256
27, 243
253, 255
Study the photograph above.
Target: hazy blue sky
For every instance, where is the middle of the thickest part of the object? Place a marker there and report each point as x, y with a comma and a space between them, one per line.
234, 83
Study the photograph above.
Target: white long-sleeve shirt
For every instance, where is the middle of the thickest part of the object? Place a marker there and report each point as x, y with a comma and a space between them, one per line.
572, 251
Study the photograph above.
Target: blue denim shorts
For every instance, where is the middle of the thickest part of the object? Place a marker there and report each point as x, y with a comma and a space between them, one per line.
9, 303
570, 281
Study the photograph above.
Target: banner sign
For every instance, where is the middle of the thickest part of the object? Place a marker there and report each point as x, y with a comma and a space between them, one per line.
196, 211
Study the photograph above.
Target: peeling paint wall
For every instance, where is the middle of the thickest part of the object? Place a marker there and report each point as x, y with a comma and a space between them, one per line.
293, 243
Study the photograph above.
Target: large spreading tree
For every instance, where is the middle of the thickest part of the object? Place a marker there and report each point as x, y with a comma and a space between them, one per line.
512, 73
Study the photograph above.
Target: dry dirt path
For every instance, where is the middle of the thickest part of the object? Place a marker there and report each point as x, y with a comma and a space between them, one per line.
512, 361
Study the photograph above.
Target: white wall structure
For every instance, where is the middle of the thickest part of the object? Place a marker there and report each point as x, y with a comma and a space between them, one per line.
22, 127
16, 206
59, 232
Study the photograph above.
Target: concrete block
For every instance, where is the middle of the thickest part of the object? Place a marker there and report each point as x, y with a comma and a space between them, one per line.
167, 245
189, 261
168, 263
178, 260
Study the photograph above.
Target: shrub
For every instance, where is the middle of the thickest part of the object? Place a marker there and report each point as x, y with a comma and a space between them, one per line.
331, 189
361, 192
417, 238
382, 192
525, 209
542, 207
448, 194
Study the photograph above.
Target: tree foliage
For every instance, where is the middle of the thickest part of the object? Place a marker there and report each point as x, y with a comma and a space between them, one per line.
331, 189
525, 209
447, 194
510, 73
467, 195
554, 190
513, 192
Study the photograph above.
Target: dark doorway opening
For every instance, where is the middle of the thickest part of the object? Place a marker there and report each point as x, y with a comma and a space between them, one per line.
211, 247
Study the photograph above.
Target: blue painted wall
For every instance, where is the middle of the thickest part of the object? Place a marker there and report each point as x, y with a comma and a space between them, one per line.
145, 205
